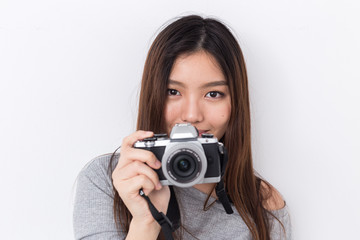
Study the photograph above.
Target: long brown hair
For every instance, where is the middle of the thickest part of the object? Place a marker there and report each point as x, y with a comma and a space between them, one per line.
185, 36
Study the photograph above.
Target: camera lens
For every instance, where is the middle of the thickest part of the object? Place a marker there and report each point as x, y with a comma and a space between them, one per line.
184, 166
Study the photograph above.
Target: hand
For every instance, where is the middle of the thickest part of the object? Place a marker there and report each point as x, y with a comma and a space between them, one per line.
135, 170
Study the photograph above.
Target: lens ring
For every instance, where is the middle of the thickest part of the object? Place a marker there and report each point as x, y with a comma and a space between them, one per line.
196, 150
184, 177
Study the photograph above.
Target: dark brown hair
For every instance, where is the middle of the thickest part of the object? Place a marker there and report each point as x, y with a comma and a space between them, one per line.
187, 35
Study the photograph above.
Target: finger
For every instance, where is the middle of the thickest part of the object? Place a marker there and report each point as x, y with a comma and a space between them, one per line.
130, 188
130, 140
134, 169
134, 154
127, 146
145, 156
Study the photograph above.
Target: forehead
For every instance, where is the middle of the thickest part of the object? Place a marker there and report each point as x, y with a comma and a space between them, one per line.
196, 68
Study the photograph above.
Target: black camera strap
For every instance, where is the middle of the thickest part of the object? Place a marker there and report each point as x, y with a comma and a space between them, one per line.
223, 198
169, 222
220, 187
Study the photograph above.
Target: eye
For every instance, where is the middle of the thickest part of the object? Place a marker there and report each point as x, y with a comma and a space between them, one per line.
214, 94
173, 92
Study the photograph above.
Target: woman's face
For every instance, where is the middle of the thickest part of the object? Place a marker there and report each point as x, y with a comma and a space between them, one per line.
198, 94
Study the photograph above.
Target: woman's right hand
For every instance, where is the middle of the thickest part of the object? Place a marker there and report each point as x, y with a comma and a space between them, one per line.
135, 171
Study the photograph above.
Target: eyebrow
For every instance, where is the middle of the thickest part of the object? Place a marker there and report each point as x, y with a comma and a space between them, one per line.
206, 85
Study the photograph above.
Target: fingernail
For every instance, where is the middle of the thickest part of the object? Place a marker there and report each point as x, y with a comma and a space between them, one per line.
158, 186
158, 164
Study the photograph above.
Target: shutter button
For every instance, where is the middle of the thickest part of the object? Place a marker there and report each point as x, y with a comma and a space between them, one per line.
149, 142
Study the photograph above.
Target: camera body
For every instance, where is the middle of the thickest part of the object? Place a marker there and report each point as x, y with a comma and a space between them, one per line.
186, 159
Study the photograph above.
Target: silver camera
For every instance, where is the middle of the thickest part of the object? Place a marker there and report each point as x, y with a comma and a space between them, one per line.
187, 159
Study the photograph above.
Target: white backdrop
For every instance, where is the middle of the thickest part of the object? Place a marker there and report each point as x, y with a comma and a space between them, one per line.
70, 72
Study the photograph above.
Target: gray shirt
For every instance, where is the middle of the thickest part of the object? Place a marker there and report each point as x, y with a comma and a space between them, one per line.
93, 210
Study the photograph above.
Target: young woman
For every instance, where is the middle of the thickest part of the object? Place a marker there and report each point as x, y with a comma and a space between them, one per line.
194, 73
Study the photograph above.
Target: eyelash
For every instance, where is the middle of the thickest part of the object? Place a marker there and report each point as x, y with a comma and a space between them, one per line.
170, 91
174, 92
220, 94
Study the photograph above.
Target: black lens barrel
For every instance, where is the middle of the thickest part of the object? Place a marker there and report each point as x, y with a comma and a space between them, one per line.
184, 166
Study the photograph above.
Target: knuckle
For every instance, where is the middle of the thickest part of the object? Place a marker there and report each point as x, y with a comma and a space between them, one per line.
138, 133
125, 139
116, 179
142, 178
150, 157
154, 158
137, 164
118, 186
113, 175
123, 155
155, 175
147, 154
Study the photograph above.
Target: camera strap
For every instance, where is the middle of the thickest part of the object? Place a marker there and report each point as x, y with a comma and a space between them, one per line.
220, 187
169, 222
223, 198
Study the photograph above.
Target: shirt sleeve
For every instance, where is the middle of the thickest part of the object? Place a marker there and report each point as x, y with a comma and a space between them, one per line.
93, 216
281, 231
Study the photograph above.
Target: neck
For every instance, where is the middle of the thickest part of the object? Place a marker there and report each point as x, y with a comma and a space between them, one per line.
207, 188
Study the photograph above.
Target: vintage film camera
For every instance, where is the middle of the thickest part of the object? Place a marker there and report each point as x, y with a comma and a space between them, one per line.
187, 159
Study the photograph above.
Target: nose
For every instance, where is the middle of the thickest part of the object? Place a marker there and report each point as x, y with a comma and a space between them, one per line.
191, 111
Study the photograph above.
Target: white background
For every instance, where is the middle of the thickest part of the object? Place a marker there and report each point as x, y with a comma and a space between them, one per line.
70, 72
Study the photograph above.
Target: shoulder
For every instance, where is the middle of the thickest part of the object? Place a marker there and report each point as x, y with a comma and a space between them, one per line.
280, 221
101, 165
271, 198
96, 174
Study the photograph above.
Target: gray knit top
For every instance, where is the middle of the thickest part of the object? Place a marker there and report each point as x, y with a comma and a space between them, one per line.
93, 210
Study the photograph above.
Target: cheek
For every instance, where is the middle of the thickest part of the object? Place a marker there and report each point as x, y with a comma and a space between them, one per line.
171, 113
220, 115
224, 117
219, 119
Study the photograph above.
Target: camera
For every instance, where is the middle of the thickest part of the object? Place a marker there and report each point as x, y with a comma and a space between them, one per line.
186, 158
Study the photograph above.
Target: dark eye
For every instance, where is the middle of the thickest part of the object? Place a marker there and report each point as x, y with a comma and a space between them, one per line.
173, 92
214, 94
